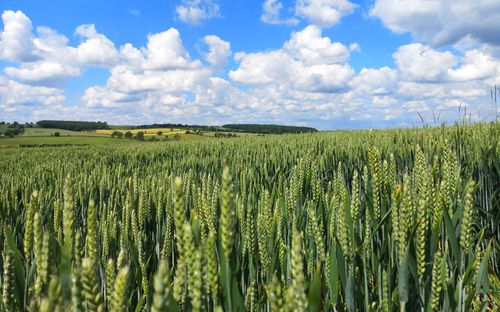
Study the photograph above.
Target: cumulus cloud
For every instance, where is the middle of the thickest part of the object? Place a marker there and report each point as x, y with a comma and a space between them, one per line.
197, 11
16, 39
310, 47
162, 73
13, 95
218, 51
42, 71
421, 63
271, 14
307, 62
165, 51
96, 49
45, 57
475, 65
324, 13
42, 61
375, 81
442, 22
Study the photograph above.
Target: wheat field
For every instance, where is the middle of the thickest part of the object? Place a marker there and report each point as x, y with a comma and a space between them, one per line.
383, 220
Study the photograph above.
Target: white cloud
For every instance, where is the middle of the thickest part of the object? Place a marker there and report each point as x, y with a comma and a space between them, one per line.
310, 47
49, 44
271, 14
13, 94
442, 22
42, 71
421, 63
324, 13
218, 51
307, 62
418, 62
197, 11
475, 65
160, 74
16, 39
262, 68
96, 49
46, 58
165, 51
375, 81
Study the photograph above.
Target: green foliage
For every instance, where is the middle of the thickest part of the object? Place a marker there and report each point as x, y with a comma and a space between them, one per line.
268, 129
139, 136
72, 125
117, 134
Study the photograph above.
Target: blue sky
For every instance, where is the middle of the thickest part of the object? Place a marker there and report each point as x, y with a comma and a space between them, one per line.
325, 63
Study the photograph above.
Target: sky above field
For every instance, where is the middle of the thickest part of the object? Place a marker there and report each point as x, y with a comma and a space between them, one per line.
325, 63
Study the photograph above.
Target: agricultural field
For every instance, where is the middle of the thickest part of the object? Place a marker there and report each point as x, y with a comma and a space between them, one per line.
34, 132
21, 141
45, 137
147, 132
383, 220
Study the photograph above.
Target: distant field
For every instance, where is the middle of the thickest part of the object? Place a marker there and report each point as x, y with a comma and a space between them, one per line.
240, 134
168, 132
44, 136
191, 137
84, 138
30, 132
73, 140
147, 132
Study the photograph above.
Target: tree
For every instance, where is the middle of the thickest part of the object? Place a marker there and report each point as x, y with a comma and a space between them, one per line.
56, 134
72, 125
128, 135
159, 132
177, 137
117, 134
139, 136
10, 132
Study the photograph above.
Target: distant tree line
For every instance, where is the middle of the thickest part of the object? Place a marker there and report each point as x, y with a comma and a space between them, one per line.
252, 128
128, 135
73, 125
225, 135
180, 126
268, 129
139, 136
